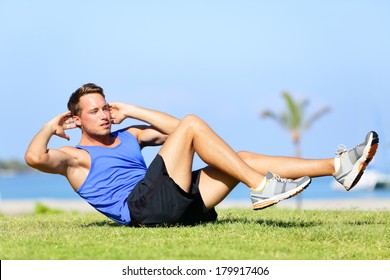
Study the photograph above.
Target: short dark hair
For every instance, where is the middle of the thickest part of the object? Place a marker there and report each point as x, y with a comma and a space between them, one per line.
73, 103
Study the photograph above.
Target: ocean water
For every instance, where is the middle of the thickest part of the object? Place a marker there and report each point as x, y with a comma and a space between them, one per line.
35, 186
47, 186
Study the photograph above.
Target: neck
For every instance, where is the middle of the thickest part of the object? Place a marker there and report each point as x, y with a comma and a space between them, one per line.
97, 140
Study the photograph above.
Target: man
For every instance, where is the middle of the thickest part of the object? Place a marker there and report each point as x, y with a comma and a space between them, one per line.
107, 168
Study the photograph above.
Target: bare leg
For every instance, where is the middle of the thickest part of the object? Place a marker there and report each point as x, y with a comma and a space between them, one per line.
289, 167
193, 135
215, 185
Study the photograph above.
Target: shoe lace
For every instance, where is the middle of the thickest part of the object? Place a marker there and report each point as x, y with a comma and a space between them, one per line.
341, 149
280, 179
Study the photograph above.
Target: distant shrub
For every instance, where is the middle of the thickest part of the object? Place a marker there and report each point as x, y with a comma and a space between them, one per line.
43, 209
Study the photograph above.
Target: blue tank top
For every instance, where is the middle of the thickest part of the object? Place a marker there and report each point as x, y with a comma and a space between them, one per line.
114, 173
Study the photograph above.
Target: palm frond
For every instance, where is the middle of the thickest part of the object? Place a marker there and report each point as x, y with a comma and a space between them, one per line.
293, 113
274, 116
308, 123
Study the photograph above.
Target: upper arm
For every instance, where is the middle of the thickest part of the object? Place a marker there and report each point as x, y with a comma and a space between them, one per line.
148, 135
56, 161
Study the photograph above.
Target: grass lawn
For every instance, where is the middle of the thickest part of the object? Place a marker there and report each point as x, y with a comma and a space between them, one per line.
271, 234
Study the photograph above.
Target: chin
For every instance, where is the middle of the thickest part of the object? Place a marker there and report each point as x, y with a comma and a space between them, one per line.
103, 132
106, 130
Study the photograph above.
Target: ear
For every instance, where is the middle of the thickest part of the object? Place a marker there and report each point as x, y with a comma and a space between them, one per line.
76, 120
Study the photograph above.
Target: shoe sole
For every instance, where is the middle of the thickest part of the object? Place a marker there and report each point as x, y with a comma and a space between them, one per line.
276, 199
361, 164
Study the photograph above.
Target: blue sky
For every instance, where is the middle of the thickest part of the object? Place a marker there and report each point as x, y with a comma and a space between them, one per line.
222, 60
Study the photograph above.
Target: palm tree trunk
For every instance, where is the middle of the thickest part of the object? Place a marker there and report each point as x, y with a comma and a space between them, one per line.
298, 153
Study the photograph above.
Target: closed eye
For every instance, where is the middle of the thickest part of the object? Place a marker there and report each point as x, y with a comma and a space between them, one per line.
94, 111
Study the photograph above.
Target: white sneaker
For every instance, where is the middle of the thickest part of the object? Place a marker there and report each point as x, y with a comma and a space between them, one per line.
277, 189
353, 162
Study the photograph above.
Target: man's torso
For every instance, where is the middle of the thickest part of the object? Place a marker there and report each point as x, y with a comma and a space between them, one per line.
80, 165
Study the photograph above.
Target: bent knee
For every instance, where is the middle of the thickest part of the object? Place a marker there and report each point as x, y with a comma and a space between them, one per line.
244, 155
249, 157
192, 120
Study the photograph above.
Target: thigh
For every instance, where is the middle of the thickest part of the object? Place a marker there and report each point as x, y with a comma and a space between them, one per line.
178, 155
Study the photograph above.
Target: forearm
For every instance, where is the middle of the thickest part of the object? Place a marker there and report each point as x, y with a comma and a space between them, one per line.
161, 121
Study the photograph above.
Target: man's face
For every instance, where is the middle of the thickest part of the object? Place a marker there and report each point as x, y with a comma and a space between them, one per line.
94, 116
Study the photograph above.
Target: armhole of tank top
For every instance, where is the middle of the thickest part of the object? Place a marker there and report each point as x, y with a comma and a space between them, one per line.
90, 168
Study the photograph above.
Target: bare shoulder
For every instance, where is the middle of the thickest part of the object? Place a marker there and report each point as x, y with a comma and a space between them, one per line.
80, 165
71, 151
148, 135
136, 130
79, 157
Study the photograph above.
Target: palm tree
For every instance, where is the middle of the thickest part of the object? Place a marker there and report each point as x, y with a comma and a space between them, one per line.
292, 119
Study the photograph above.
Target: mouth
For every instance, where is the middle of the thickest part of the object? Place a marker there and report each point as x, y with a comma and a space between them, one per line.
105, 125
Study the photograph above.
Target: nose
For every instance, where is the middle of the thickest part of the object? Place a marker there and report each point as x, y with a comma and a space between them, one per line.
102, 115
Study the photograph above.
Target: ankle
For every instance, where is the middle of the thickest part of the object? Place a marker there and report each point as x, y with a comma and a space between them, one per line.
336, 165
261, 186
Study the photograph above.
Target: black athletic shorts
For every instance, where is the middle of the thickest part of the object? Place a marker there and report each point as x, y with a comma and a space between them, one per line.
157, 200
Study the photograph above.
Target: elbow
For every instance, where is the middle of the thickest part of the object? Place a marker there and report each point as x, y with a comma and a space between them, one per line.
31, 159
163, 139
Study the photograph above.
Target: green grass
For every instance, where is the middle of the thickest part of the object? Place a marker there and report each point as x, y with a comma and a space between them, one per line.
272, 234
